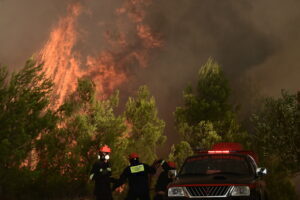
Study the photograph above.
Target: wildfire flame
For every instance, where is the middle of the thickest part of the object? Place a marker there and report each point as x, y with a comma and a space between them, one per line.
61, 63
109, 68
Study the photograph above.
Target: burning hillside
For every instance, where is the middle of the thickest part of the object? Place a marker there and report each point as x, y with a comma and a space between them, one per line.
66, 59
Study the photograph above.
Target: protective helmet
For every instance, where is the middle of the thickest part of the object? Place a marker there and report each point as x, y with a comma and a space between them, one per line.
172, 164
133, 156
105, 149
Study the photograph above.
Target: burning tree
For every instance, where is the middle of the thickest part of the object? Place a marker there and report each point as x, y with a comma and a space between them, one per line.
67, 153
127, 42
58, 140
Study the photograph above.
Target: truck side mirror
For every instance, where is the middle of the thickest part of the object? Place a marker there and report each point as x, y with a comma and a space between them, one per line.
261, 171
172, 173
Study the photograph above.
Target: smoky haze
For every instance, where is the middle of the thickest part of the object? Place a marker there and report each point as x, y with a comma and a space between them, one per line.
254, 40
256, 43
24, 27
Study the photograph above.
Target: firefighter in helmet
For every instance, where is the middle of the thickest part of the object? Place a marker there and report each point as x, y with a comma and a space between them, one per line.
165, 177
101, 174
137, 174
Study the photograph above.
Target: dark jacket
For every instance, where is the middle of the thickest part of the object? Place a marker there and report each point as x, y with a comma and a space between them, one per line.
137, 175
163, 181
102, 176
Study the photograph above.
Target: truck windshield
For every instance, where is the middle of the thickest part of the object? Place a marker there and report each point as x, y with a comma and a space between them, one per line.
217, 164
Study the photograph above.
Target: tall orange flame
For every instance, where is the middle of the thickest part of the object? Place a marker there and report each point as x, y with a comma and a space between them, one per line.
60, 61
109, 68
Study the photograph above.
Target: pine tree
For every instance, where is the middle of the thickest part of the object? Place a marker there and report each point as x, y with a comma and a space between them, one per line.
86, 123
277, 139
206, 116
146, 129
276, 131
24, 115
179, 152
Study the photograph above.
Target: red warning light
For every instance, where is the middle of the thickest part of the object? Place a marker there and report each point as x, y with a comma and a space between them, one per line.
219, 152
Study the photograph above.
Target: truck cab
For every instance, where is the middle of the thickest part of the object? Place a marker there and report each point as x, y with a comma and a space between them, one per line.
225, 172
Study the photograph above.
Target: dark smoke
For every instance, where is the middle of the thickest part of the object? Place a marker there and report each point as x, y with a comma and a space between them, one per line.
255, 40
24, 27
256, 43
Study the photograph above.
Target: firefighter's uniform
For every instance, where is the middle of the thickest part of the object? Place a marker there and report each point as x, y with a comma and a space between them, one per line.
137, 175
101, 174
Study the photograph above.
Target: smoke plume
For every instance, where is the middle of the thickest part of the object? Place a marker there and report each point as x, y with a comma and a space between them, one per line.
256, 40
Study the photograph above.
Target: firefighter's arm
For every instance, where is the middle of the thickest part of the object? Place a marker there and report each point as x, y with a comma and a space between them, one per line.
150, 169
92, 173
122, 179
156, 164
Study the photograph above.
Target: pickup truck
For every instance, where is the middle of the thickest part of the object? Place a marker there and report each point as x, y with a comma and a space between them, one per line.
226, 172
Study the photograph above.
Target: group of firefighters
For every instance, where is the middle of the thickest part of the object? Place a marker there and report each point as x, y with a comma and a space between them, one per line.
137, 174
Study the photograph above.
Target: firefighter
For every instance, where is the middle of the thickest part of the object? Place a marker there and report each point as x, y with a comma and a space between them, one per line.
163, 180
101, 174
137, 174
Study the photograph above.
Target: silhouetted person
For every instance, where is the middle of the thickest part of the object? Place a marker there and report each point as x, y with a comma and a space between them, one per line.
163, 180
101, 174
137, 175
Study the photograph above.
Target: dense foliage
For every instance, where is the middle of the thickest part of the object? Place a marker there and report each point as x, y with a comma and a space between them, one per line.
276, 138
24, 115
206, 116
180, 151
47, 152
146, 128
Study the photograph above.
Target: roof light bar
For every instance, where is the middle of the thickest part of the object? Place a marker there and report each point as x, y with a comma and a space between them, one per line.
219, 152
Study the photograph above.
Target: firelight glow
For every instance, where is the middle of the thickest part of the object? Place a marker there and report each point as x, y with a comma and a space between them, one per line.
109, 67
